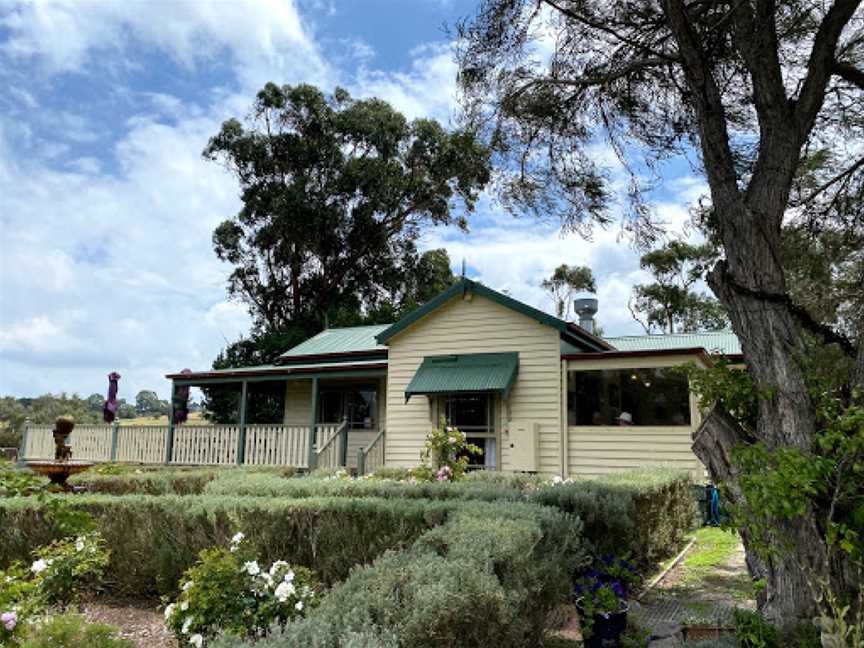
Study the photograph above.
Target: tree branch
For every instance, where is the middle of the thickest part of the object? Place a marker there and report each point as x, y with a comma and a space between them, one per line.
604, 27
719, 162
756, 35
848, 72
824, 187
828, 334
821, 64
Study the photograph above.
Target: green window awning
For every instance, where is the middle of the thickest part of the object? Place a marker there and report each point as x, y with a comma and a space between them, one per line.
471, 372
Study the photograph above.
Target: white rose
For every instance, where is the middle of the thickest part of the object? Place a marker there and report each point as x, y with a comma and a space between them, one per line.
238, 538
169, 611
289, 576
252, 568
276, 566
186, 624
196, 640
187, 585
79, 544
39, 566
283, 591
184, 606
299, 606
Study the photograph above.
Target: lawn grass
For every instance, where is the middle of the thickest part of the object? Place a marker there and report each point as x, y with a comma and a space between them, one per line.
713, 548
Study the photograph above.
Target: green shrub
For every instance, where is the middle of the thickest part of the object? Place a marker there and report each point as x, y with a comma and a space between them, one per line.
9, 437
127, 479
149, 482
753, 631
15, 481
488, 576
155, 539
72, 631
61, 571
66, 567
228, 591
644, 514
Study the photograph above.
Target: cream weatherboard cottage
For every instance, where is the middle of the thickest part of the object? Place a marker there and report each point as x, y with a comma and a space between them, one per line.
536, 393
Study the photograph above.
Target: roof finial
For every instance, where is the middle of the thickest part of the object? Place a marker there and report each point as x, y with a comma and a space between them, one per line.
463, 267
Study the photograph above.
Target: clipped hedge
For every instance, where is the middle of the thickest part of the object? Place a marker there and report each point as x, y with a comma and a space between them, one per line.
120, 479
154, 539
488, 576
643, 513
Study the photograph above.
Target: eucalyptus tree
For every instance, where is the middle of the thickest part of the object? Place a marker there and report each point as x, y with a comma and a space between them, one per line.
756, 93
565, 282
335, 191
671, 303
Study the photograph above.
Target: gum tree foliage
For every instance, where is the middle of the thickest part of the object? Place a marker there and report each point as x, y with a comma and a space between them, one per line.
671, 304
766, 99
335, 192
564, 283
421, 278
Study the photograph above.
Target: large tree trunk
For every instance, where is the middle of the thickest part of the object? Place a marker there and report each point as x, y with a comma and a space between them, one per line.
790, 595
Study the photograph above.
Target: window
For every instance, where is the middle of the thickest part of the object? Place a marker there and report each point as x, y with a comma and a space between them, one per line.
359, 403
473, 414
650, 396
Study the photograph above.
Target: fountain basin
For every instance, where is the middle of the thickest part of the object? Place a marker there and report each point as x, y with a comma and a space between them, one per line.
58, 471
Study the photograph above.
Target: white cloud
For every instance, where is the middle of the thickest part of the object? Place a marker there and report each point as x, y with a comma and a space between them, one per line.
130, 256
107, 262
426, 89
263, 38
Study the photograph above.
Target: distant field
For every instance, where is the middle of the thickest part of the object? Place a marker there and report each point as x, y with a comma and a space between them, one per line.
194, 417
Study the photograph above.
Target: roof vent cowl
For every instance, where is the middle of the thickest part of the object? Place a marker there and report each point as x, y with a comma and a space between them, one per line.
586, 309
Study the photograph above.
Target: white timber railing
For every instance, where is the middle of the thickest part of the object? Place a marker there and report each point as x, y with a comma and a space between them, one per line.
217, 445
277, 445
331, 445
371, 458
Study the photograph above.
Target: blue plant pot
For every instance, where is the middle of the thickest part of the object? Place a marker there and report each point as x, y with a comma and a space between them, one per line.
606, 630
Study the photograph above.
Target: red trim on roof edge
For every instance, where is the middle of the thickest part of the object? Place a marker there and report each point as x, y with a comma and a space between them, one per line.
697, 351
286, 371
578, 330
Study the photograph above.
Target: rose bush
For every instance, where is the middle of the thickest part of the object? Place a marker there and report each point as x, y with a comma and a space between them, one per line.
445, 455
229, 592
60, 572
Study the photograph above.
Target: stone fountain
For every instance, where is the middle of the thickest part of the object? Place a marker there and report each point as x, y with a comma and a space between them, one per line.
59, 470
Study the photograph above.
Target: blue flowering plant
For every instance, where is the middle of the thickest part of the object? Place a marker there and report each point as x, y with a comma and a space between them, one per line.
602, 591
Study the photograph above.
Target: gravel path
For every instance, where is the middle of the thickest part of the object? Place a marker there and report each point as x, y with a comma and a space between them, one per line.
139, 620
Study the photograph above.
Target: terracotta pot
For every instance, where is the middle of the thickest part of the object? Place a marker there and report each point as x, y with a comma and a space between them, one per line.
606, 631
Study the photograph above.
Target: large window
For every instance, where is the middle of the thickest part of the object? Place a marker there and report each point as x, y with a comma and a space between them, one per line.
359, 403
473, 414
628, 396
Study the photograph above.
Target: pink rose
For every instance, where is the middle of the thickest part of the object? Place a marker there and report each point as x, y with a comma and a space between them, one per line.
9, 620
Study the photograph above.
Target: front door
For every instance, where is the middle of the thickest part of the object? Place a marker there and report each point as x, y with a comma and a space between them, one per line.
474, 415
358, 403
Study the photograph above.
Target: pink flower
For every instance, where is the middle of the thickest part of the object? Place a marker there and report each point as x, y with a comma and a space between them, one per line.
444, 473
451, 440
9, 620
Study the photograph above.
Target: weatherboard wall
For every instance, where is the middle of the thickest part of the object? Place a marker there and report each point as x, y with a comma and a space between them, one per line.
596, 450
476, 326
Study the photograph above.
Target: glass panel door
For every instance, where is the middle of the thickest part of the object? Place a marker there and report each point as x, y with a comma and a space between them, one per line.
359, 403
473, 414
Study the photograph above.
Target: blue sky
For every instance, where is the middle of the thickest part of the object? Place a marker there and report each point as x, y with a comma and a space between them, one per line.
107, 208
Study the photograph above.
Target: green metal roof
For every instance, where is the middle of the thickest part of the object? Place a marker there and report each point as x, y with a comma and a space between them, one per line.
571, 332
724, 342
352, 339
474, 372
